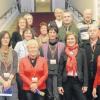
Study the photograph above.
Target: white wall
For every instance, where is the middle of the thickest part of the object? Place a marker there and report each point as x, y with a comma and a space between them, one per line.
5, 5
27, 5
83, 4
58, 4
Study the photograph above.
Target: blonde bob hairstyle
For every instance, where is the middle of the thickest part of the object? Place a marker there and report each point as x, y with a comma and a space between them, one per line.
32, 42
58, 10
28, 15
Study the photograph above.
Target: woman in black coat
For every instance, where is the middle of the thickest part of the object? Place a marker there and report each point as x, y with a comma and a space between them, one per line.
17, 35
72, 72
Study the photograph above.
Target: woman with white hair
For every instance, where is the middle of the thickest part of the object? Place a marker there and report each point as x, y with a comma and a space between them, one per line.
58, 13
33, 72
21, 50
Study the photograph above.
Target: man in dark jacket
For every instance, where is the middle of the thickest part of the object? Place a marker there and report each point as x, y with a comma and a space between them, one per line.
92, 47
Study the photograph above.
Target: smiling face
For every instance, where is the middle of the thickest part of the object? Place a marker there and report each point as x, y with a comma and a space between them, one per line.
27, 35
43, 29
71, 40
22, 24
5, 40
33, 48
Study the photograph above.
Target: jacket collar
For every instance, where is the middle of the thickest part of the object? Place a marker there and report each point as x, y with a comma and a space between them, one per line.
98, 42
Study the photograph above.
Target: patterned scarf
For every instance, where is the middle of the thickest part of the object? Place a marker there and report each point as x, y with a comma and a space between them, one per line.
71, 64
6, 58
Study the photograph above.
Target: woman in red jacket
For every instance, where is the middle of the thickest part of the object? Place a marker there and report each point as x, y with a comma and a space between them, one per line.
33, 72
96, 85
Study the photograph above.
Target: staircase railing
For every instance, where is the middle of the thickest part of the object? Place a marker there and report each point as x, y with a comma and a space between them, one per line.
8, 12
74, 10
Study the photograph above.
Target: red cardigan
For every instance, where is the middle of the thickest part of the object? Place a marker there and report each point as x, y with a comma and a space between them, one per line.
97, 77
27, 71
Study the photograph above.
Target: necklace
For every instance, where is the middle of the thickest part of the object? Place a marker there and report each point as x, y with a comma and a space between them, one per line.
52, 50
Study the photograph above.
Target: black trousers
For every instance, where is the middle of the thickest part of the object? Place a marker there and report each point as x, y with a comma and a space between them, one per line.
90, 88
19, 85
73, 87
52, 91
28, 95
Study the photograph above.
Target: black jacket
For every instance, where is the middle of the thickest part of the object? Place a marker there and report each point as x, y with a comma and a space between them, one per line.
82, 68
92, 62
15, 38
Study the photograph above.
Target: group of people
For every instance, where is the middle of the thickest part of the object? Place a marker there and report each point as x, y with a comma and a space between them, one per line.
62, 63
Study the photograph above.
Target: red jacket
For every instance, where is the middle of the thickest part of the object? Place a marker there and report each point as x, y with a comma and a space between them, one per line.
97, 77
27, 72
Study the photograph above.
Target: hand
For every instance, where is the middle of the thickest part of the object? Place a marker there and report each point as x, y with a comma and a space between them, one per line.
84, 89
6, 84
61, 90
94, 93
35, 80
33, 87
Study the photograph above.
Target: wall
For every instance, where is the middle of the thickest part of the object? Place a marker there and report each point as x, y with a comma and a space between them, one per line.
58, 4
27, 5
6, 21
83, 4
5, 5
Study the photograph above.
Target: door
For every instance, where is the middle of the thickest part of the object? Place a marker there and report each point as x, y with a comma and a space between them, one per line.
43, 5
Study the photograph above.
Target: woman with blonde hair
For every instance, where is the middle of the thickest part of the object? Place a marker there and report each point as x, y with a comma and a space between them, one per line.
21, 50
33, 72
30, 21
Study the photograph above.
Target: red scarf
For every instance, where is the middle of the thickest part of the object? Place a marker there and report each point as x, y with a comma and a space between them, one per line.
71, 64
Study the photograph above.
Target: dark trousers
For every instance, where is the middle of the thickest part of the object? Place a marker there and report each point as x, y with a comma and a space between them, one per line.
19, 85
90, 88
73, 87
28, 95
52, 91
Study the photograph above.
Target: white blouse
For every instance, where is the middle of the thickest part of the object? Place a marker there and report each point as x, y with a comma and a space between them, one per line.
21, 49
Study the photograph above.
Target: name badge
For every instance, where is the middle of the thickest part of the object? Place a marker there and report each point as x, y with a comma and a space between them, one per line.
6, 75
53, 61
34, 79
